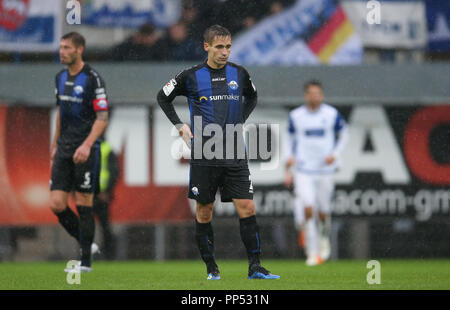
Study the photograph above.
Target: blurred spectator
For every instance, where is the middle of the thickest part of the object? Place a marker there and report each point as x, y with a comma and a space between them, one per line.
190, 13
184, 40
181, 46
276, 7
144, 45
238, 15
194, 22
109, 175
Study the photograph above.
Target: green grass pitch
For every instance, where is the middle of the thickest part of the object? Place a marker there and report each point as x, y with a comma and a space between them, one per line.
191, 275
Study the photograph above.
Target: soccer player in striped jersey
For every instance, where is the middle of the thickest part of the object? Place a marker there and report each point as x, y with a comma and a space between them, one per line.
220, 95
75, 153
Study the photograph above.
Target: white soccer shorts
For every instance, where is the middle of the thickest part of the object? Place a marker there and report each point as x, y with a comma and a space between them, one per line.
315, 190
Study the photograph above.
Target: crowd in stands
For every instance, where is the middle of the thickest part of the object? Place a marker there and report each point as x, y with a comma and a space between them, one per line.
183, 40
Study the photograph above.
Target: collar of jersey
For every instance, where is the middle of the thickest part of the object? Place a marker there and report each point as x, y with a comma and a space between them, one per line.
82, 69
212, 69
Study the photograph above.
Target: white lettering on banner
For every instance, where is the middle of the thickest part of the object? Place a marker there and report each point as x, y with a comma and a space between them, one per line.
128, 129
389, 202
370, 202
386, 157
423, 203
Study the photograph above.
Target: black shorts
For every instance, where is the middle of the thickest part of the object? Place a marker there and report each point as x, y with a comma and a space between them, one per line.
232, 182
68, 176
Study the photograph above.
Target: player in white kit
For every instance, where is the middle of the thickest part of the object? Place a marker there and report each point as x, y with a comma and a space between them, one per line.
317, 133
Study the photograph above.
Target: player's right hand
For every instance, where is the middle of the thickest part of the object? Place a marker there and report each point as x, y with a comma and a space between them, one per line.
186, 134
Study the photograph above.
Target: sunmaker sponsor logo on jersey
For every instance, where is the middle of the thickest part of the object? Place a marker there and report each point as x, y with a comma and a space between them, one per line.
219, 97
224, 97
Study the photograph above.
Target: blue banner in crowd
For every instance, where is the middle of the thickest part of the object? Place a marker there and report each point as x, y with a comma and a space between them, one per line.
29, 25
309, 32
438, 19
130, 13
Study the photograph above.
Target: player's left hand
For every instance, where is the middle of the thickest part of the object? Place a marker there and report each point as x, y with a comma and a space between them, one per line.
81, 154
330, 159
186, 135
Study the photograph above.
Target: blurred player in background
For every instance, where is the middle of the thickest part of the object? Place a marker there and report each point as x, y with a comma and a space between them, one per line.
109, 174
75, 153
316, 136
220, 93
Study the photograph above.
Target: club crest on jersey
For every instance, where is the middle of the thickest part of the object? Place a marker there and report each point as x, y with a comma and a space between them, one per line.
233, 85
78, 90
100, 104
195, 191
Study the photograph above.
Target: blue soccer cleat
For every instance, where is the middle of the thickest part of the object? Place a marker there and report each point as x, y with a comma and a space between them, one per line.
212, 276
213, 273
259, 272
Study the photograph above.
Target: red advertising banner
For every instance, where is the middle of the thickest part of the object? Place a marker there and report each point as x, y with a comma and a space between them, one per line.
397, 163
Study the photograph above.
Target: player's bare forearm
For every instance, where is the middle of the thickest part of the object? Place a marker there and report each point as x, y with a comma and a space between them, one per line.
56, 135
82, 153
289, 163
98, 128
55, 139
288, 177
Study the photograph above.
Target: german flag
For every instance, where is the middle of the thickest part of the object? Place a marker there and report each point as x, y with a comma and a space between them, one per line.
331, 35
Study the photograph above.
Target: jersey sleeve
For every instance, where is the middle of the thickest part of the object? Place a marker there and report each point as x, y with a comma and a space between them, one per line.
56, 90
250, 95
341, 130
290, 141
175, 87
100, 100
339, 122
249, 86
